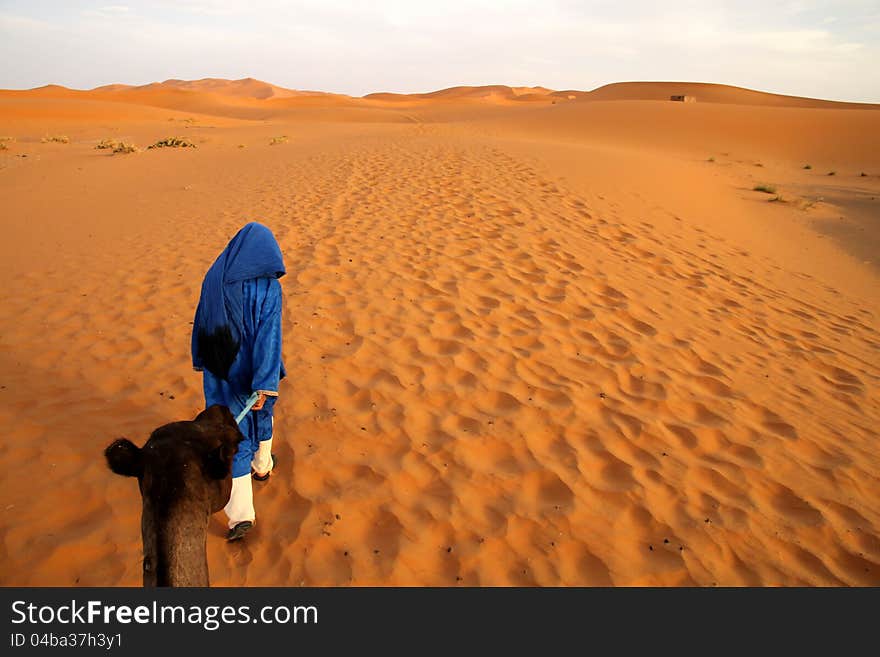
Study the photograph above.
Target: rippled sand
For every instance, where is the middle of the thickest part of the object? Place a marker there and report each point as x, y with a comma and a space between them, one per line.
528, 343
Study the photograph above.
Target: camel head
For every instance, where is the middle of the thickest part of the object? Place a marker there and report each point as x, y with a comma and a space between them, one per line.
184, 473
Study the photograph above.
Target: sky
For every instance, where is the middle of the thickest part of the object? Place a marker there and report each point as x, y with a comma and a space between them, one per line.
817, 48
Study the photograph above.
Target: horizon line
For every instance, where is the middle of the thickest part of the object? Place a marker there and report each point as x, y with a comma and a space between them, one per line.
432, 91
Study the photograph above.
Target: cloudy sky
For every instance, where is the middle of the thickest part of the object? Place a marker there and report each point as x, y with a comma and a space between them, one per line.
821, 48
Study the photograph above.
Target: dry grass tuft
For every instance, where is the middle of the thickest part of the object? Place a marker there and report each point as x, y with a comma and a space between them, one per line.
124, 147
173, 142
806, 203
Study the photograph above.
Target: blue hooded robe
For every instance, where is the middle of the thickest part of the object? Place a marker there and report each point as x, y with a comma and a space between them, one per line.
236, 339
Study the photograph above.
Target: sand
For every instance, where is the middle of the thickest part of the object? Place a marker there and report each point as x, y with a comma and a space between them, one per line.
532, 337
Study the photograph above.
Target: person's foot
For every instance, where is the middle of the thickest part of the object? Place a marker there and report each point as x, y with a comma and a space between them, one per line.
264, 477
239, 530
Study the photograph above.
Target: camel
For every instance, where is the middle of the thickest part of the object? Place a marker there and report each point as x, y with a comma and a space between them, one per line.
184, 473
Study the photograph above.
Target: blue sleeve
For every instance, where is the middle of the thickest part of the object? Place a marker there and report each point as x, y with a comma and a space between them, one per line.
194, 345
267, 345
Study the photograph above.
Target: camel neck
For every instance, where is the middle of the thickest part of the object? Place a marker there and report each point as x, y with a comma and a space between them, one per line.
174, 544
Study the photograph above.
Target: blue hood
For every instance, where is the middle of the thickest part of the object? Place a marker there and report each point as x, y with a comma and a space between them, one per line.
217, 327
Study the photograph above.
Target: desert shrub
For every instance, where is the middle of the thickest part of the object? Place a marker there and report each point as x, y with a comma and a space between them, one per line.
124, 147
278, 140
61, 139
767, 189
806, 204
106, 144
173, 142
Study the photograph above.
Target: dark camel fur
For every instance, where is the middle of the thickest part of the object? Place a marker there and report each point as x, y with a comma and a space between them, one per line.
184, 473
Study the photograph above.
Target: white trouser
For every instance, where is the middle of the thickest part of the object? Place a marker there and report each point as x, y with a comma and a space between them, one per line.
241, 501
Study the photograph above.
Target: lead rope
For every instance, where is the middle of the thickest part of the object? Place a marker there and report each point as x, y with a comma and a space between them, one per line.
247, 407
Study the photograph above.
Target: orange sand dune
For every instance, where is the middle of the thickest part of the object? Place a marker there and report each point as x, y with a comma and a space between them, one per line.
527, 344
171, 104
701, 91
796, 135
239, 99
496, 93
247, 88
711, 93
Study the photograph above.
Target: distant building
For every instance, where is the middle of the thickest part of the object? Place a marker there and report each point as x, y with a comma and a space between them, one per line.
684, 99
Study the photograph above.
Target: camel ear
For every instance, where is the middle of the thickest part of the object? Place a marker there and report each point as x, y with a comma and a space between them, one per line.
124, 458
218, 462
218, 414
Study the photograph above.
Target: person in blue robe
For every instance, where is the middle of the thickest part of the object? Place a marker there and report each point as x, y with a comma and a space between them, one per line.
236, 344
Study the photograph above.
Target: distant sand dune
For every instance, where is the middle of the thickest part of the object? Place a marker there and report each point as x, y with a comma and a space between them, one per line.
711, 93
245, 88
703, 92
